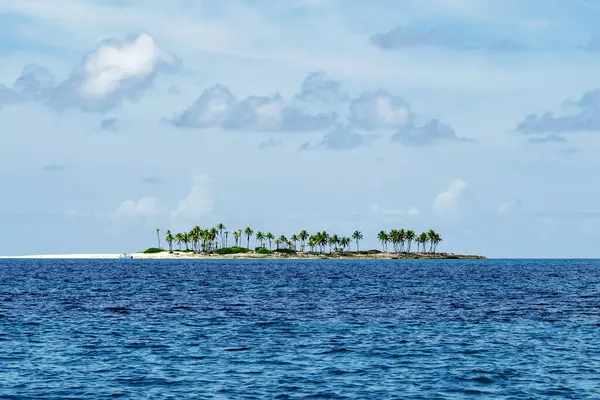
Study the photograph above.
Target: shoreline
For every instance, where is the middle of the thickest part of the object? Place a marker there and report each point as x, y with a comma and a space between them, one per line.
177, 255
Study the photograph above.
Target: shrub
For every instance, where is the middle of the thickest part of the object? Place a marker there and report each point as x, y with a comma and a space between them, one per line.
152, 250
286, 251
231, 250
264, 251
370, 251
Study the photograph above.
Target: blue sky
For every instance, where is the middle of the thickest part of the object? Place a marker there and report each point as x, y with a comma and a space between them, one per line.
479, 119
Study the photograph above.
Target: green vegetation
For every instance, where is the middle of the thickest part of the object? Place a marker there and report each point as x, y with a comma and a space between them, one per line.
264, 251
285, 251
231, 250
153, 250
214, 240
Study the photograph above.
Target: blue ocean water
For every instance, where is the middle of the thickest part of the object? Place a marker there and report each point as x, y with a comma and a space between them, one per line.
398, 329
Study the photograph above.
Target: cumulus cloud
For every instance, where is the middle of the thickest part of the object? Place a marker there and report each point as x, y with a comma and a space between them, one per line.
586, 118
115, 72
405, 38
143, 208
198, 203
446, 202
218, 107
344, 137
432, 132
34, 82
318, 88
379, 110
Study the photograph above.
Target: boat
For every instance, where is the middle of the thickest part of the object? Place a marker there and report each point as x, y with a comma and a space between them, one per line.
125, 256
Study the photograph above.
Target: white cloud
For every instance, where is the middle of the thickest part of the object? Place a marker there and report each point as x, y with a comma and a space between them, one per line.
106, 68
379, 110
143, 208
394, 212
198, 203
446, 203
413, 211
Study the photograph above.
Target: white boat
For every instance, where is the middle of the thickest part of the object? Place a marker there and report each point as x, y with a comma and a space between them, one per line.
125, 256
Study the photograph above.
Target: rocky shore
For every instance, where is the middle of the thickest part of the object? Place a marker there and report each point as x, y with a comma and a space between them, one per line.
299, 255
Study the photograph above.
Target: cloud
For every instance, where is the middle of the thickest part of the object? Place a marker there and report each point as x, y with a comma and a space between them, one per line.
269, 144
413, 211
394, 212
548, 139
34, 83
142, 208
446, 203
153, 180
318, 88
432, 132
379, 110
586, 118
218, 107
405, 38
109, 124
117, 71
54, 168
344, 137
199, 201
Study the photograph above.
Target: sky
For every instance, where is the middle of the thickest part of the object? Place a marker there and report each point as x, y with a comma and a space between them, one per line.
479, 119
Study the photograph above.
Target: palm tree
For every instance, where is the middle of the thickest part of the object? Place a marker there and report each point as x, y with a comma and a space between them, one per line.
345, 242
270, 238
383, 238
434, 239
401, 238
277, 243
221, 228
409, 236
226, 236
261, 238
357, 235
158, 236
170, 239
303, 236
334, 240
179, 239
282, 240
422, 240
248, 232
236, 236
294, 239
312, 242
195, 234
185, 237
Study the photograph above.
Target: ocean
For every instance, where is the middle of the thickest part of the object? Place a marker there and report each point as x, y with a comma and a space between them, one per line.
292, 329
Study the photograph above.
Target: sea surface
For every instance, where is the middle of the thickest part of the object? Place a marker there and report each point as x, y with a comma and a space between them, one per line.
290, 329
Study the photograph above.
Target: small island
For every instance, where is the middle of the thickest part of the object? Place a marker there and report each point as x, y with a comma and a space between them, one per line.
213, 243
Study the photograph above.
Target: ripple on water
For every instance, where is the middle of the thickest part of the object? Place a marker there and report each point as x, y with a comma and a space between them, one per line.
493, 329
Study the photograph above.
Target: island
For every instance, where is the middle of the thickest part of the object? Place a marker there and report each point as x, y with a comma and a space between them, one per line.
213, 243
